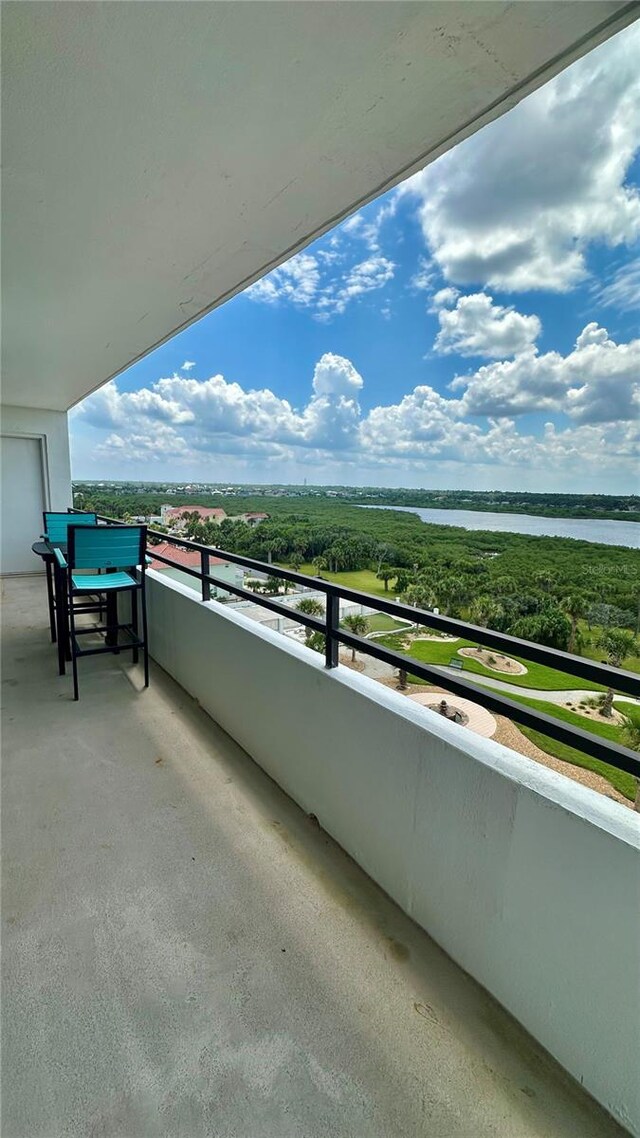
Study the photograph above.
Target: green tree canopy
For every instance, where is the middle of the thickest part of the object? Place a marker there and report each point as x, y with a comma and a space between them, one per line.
618, 643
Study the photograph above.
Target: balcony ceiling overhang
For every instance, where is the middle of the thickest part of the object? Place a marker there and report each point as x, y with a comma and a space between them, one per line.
159, 157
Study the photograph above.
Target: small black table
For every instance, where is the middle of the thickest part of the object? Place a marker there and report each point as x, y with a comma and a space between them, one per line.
44, 550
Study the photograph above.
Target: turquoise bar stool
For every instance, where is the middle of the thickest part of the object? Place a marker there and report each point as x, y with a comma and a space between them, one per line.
106, 561
55, 524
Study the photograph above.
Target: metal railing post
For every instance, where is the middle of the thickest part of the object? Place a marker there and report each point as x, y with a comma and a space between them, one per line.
204, 569
332, 644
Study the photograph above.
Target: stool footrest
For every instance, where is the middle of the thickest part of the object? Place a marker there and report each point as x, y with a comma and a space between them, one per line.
132, 641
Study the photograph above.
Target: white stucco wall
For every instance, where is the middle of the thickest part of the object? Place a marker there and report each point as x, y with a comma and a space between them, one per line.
53, 427
50, 430
530, 882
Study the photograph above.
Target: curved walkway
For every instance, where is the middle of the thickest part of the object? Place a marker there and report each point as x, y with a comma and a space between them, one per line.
561, 696
379, 670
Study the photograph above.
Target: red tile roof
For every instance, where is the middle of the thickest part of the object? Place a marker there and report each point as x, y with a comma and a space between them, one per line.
203, 511
188, 557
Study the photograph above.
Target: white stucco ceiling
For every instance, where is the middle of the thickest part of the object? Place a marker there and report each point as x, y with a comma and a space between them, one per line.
158, 157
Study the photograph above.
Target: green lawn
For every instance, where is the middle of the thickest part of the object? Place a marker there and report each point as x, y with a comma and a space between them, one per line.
548, 679
363, 579
606, 730
622, 781
380, 622
433, 652
537, 676
631, 710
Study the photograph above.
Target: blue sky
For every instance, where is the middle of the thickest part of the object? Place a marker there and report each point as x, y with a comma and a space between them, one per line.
476, 327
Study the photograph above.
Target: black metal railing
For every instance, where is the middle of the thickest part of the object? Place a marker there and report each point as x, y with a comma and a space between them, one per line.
617, 679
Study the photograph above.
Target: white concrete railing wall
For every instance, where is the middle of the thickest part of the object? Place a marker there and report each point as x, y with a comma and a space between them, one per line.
528, 881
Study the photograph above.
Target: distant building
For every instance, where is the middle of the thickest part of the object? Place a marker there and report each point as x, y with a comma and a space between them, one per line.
190, 559
172, 515
254, 519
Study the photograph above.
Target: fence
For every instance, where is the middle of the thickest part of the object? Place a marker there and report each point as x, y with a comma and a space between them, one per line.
618, 679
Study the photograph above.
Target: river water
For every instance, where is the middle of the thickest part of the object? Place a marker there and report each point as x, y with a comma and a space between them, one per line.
604, 532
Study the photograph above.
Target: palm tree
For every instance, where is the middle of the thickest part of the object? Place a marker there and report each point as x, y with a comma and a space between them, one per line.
505, 585
545, 579
630, 736
386, 573
359, 626
422, 595
452, 592
618, 643
485, 611
311, 607
316, 641
575, 608
403, 577
274, 547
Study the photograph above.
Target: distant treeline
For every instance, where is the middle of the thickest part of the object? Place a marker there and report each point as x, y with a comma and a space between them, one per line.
618, 507
537, 587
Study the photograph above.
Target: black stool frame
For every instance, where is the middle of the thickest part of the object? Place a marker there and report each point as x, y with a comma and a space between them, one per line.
112, 628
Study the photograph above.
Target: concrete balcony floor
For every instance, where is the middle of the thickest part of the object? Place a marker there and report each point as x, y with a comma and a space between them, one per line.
185, 953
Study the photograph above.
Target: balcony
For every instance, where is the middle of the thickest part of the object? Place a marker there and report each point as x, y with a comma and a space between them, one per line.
188, 951
268, 896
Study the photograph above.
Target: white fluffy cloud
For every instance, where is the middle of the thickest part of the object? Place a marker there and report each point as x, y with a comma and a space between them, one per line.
331, 278
185, 420
422, 280
478, 327
443, 298
314, 283
366, 276
224, 418
423, 424
368, 228
599, 381
145, 443
110, 407
335, 375
297, 281
515, 205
